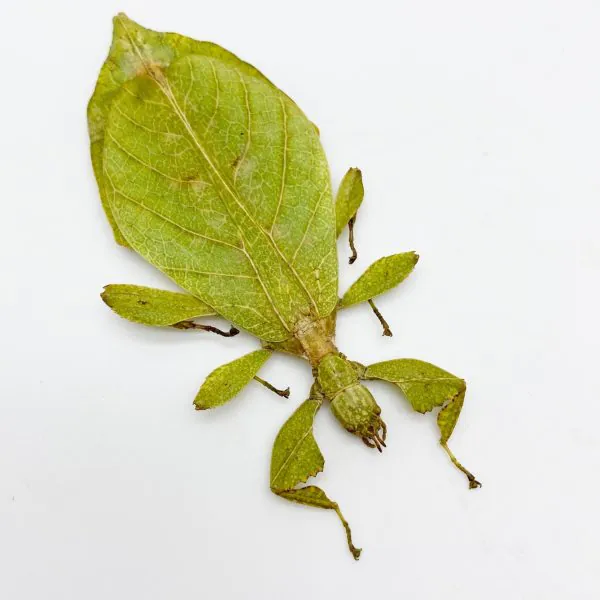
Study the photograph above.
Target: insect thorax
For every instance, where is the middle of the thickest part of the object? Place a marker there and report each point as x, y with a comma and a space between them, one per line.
312, 339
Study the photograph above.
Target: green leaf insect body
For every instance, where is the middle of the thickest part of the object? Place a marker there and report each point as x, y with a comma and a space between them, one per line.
218, 179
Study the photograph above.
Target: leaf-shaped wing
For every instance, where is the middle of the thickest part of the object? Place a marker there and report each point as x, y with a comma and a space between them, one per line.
150, 306
220, 181
349, 198
226, 381
123, 64
295, 458
383, 275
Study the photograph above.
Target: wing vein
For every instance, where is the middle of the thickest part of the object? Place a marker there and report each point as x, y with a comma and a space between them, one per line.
284, 166
147, 165
249, 138
217, 98
184, 270
166, 90
165, 218
163, 84
148, 129
312, 216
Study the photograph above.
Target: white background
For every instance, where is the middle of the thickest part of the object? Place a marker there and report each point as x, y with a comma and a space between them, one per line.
477, 127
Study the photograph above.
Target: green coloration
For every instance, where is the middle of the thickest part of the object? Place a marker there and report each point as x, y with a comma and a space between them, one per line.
217, 178
225, 382
150, 306
348, 199
448, 416
132, 44
427, 387
296, 457
383, 275
352, 404
228, 195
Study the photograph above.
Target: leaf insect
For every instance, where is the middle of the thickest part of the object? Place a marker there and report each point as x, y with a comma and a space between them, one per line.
218, 179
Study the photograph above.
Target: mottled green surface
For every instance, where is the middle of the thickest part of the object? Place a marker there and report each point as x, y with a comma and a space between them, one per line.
348, 199
425, 386
448, 416
296, 457
122, 65
335, 374
150, 306
225, 382
383, 275
219, 180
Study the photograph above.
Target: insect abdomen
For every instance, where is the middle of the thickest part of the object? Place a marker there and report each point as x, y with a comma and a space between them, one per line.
351, 402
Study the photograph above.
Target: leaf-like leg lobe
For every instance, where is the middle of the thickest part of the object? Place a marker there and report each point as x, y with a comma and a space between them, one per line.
426, 387
228, 380
312, 495
380, 277
296, 457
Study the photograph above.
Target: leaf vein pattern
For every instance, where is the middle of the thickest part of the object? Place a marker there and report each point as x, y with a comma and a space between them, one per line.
161, 216
217, 98
165, 88
296, 446
148, 166
249, 129
144, 127
284, 168
185, 270
312, 216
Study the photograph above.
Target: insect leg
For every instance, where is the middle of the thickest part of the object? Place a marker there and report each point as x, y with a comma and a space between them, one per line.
295, 458
386, 328
473, 483
348, 200
354, 254
283, 393
380, 277
191, 325
426, 387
